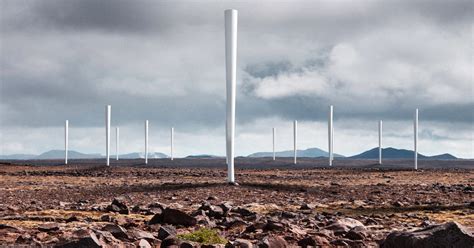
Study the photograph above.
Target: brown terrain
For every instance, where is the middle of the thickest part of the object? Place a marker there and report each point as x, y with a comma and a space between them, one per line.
128, 204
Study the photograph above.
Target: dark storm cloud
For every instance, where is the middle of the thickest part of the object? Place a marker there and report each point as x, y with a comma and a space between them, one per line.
275, 39
104, 16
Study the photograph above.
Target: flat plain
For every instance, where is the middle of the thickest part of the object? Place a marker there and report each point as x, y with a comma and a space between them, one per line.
275, 203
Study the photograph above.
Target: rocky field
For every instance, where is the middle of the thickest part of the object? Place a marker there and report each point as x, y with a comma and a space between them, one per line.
87, 205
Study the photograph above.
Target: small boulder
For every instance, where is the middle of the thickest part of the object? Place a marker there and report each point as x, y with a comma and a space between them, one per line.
315, 241
90, 240
173, 217
450, 234
242, 243
143, 244
307, 206
138, 234
166, 231
116, 230
274, 226
342, 226
273, 242
48, 227
118, 205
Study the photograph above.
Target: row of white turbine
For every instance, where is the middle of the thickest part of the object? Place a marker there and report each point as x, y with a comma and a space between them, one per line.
108, 109
295, 135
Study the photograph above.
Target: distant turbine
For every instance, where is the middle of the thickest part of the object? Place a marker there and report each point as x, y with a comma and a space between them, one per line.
416, 138
274, 140
330, 135
380, 142
117, 139
172, 141
146, 142
231, 68
108, 110
66, 140
295, 134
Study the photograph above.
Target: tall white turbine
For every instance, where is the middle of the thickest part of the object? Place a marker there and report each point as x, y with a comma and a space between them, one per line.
274, 140
231, 69
117, 140
172, 142
146, 142
330, 135
66, 140
416, 138
380, 142
108, 110
295, 135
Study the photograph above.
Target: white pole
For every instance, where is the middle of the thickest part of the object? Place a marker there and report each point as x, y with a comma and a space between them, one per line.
172, 141
380, 142
117, 141
416, 138
231, 69
66, 140
108, 110
295, 134
330, 135
274, 137
146, 142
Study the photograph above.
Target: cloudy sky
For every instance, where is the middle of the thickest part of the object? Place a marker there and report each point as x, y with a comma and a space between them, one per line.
164, 61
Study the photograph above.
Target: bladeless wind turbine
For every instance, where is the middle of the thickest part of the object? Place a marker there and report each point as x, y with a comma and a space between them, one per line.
172, 142
380, 142
146, 142
330, 135
274, 140
295, 136
415, 129
117, 140
66, 140
108, 110
231, 70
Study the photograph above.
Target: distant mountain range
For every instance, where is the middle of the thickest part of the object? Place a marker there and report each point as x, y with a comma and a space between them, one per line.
393, 153
204, 156
387, 153
308, 153
59, 154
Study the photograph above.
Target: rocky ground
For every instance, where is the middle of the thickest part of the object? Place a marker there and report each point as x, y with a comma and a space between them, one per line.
126, 206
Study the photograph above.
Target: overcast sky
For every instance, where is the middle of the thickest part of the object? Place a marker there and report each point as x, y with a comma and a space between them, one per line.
164, 61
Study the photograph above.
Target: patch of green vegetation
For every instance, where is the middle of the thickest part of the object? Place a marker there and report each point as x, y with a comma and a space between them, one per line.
204, 236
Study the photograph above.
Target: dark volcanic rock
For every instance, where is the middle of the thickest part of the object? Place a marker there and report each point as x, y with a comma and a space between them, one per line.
138, 234
170, 242
116, 230
307, 206
342, 226
48, 227
450, 234
313, 241
274, 226
166, 231
118, 205
242, 243
357, 233
89, 241
273, 242
243, 211
212, 211
173, 217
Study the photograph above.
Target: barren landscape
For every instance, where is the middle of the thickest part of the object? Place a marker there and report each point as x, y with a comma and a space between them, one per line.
187, 203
